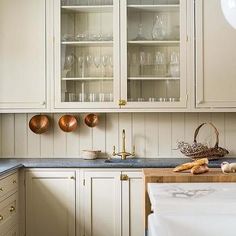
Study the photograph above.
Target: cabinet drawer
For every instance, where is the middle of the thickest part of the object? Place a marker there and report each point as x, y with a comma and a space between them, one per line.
8, 214
8, 184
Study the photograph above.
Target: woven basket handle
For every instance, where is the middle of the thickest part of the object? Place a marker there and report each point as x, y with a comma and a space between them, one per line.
215, 129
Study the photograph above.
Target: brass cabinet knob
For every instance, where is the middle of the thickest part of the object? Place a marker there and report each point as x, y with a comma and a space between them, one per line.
12, 208
1, 217
124, 177
14, 181
72, 177
1, 189
122, 102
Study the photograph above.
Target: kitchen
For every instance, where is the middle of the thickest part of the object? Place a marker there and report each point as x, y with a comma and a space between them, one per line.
135, 76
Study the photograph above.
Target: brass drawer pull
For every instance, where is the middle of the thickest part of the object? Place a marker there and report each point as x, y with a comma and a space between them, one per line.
1, 217
14, 181
12, 208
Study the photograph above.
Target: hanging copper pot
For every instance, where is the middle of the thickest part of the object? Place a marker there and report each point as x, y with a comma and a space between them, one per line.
91, 120
39, 124
68, 123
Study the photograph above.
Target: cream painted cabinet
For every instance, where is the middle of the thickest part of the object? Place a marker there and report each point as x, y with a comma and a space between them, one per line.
215, 57
102, 203
23, 54
50, 203
132, 204
113, 203
120, 54
154, 53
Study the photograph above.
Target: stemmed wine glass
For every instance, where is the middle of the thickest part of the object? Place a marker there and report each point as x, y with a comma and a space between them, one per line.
142, 60
159, 61
69, 62
104, 63
81, 65
97, 61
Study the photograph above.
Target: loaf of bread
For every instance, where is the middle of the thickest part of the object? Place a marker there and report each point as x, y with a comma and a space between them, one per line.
196, 170
190, 165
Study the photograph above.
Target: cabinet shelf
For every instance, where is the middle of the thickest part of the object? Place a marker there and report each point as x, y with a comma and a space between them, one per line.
88, 9
154, 43
154, 8
89, 43
153, 78
87, 78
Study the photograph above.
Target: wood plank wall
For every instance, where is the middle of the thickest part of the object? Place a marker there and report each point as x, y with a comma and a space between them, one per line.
154, 134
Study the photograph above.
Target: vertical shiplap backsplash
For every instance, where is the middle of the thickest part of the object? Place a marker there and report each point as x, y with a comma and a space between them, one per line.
153, 134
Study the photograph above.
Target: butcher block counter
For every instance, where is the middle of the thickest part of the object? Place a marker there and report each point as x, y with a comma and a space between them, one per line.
166, 175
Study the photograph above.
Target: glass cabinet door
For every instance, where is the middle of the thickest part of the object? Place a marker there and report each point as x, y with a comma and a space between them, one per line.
153, 50
87, 53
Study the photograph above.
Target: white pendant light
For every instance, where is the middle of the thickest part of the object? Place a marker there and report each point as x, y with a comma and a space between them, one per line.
229, 10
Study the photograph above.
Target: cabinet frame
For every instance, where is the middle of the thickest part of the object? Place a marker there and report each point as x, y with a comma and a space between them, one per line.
183, 63
58, 104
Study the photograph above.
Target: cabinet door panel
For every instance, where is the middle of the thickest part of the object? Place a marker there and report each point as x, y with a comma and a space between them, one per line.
216, 57
102, 199
50, 203
22, 53
132, 205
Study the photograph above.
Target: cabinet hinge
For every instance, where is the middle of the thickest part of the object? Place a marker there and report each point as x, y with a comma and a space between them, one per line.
84, 182
187, 38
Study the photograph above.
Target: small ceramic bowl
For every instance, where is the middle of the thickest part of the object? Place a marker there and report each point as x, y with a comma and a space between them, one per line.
90, 154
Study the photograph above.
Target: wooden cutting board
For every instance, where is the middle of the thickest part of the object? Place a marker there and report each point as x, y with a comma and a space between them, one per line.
167, 175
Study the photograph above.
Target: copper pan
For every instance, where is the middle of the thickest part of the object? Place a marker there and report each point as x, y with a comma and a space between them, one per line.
39, 124
91, 120
68, 123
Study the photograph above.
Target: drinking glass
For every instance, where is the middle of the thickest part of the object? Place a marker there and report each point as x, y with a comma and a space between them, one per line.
174, 64
101, 97
81, 65
82, 97
140, 35
111, 61
97, 61
142, 61
88, 60
69, 61
159, 61
92, 97
104, 63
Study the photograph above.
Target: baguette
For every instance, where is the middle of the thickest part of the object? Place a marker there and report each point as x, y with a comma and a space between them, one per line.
190, 165
196, 170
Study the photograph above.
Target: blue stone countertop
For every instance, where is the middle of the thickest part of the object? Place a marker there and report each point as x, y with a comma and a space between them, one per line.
9, 164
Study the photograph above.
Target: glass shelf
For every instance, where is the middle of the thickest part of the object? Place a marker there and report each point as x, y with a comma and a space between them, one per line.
87, 9
88, 43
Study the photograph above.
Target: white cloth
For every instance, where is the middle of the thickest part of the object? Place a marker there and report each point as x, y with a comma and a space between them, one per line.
193, 209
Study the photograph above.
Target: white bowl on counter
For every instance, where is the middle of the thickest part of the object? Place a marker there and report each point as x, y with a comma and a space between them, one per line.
90, 154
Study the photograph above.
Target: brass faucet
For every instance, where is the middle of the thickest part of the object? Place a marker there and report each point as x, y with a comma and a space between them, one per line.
123, 154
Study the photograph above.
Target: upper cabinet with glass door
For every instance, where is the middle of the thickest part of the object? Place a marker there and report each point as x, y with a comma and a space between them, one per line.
87, 53
153, 50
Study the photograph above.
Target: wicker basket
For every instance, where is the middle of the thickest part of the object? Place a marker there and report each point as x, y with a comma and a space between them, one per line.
198, 150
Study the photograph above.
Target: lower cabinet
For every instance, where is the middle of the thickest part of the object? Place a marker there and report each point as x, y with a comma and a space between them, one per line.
107, 202
50, 203
113, 203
